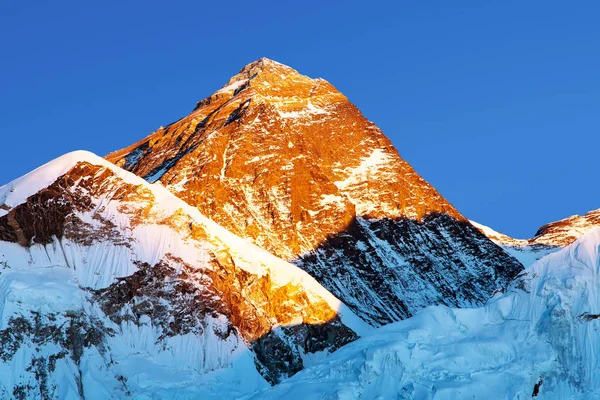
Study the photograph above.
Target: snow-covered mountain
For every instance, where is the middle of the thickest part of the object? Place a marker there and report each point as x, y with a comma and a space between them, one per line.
256, 248
289, 163
112, 287
538, 339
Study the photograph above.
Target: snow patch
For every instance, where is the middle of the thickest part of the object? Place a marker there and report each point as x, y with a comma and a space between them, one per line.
233, 86
371, 168
309, 110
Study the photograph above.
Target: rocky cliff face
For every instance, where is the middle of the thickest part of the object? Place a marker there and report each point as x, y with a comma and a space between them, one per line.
288, 162
109, 283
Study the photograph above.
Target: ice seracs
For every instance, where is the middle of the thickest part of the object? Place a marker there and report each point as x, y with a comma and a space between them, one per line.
539, 337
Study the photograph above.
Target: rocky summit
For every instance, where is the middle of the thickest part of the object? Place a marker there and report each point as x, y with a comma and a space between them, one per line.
291, 164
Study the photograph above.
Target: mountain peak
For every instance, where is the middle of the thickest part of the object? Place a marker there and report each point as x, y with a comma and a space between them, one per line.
268, 66
262, 69
269, 81
289, 163
265, 63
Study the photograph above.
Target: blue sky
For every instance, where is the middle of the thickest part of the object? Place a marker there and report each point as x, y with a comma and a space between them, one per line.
497, 105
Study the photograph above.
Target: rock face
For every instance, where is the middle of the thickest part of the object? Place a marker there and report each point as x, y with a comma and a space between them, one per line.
289, 163
99, 269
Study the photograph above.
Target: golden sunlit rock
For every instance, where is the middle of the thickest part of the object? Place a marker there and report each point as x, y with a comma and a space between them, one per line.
283, 159
291, 164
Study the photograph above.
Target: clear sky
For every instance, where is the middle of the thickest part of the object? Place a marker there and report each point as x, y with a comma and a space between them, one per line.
497, 105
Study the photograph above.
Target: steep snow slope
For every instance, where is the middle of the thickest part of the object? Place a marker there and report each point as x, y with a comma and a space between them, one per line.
540, 338
290, 163
112, 287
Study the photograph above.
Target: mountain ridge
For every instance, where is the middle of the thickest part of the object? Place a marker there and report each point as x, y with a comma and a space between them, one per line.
549, 238
114, 283
119, 259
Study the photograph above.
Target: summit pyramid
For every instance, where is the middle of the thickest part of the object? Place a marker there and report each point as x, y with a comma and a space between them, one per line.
289, 163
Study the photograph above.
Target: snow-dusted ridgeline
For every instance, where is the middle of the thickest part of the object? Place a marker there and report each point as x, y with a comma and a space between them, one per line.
527, 251
548, 238
93, 315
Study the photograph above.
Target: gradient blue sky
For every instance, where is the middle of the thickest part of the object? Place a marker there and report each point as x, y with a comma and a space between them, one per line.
497, 105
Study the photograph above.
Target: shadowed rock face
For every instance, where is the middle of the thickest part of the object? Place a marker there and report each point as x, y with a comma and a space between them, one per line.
403, 265
178, 299
288, 162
